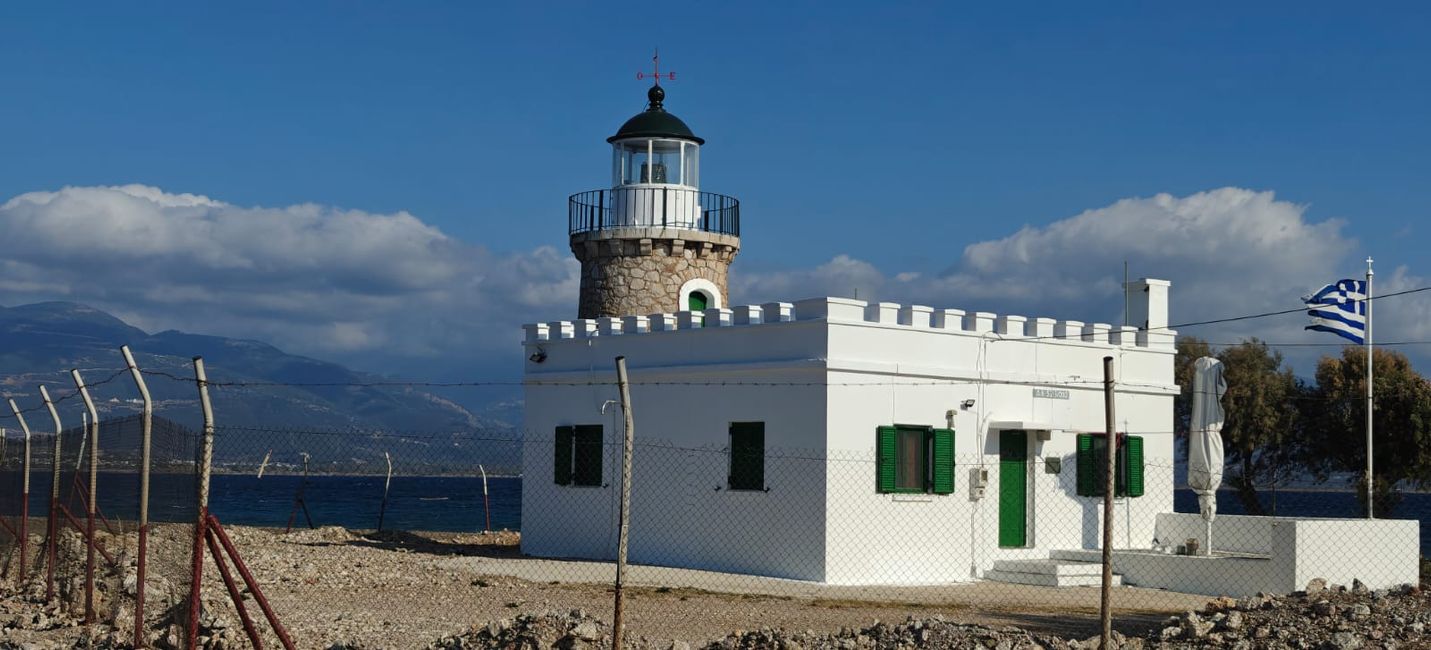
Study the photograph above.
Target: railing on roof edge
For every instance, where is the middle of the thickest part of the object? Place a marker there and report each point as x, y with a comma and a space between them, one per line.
653, 207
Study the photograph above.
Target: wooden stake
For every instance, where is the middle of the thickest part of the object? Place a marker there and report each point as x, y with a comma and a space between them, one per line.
1105, 606
624, 525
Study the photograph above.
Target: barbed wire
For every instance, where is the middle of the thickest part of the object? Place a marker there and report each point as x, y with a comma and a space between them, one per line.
951, 382
613, 382
68, 396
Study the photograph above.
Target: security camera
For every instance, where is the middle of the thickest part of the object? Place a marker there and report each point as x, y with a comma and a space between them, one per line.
966, 404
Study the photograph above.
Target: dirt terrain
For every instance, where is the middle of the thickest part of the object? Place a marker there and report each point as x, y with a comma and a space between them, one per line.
333, 587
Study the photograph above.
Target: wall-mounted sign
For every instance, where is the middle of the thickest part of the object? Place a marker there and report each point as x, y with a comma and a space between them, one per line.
1050, 393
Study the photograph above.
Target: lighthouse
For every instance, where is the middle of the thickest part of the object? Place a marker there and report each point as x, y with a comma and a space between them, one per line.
653, 242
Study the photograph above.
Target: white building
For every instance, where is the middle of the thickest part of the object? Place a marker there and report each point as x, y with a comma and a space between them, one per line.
830, 439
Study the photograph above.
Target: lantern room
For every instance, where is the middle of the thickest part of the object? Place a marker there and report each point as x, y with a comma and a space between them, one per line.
655, 180
655, 148
655, 161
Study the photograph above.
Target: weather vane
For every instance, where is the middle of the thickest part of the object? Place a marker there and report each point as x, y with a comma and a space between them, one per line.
656, 73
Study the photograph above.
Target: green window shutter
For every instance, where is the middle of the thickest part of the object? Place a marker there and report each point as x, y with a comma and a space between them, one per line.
943, 461
1087, 467
1120, 468
747, 456
886, 457
1135, 466
562, 458
589, 448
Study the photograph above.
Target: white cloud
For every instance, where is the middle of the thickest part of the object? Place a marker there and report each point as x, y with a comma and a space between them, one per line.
1228, 252
314, 279
356, 286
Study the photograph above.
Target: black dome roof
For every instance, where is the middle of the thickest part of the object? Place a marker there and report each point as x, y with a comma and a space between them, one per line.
655, 122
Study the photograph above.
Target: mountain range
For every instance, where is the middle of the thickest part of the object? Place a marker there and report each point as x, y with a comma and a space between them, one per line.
41, 342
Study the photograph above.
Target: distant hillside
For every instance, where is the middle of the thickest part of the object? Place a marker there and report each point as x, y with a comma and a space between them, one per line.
39, 343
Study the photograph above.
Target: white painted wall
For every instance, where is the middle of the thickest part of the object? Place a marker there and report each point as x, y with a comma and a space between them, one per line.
1230, 533
854, 366
955, 537
1381, 553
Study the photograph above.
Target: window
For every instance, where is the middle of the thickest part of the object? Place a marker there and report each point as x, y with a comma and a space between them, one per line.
577, 458
654, 161
1093, 464
747, 456
914, 459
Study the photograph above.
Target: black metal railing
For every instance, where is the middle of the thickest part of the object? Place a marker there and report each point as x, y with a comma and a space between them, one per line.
653, 207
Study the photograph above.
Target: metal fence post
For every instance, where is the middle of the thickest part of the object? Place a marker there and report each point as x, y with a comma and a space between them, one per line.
147, 431
92, 498
624, 524
206, 462
54, 530
24, 499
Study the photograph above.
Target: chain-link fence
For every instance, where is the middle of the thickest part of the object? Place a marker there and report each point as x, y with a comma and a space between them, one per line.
87, 561
395, 539
385, 539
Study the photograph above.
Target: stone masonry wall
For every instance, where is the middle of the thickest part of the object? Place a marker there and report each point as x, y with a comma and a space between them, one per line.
640, 276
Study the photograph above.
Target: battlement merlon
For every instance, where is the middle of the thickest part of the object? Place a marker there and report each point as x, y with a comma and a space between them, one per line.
879, 337
1148, 310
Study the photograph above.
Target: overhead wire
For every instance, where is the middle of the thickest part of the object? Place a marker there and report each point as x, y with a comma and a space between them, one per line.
511, 383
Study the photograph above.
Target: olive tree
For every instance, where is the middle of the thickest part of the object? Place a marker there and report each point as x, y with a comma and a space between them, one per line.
1401, 418
1261, 431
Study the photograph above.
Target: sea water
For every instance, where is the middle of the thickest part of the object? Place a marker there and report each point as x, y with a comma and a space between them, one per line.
456, 503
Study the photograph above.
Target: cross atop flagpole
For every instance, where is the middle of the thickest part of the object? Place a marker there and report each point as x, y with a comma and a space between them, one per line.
1370, 484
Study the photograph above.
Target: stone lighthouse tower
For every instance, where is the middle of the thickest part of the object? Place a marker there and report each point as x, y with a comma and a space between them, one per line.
653, 242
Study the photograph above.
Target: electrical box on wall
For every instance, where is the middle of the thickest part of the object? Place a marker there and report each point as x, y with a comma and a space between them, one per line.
978, 482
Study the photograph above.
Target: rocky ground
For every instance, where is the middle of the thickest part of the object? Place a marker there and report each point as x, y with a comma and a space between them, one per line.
337, 589
1332, 618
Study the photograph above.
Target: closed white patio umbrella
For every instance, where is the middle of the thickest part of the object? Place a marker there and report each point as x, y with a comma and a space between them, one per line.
1205, 439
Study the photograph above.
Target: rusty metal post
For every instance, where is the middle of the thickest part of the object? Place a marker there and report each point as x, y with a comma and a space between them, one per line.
54, 530
146, 431
24, 500
250, 582
93, 496
206, 461
624, 520
234, 594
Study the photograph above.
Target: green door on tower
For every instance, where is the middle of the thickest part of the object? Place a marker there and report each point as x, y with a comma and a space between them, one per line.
1013, 488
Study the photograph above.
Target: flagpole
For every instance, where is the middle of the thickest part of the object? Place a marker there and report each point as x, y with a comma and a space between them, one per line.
1370, 484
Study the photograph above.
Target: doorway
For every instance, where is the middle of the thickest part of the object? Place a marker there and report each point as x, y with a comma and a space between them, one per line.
1013, 489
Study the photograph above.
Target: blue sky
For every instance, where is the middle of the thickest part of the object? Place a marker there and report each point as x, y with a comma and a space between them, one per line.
890, 136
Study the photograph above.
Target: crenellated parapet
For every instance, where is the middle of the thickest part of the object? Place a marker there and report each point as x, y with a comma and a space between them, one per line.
876, 314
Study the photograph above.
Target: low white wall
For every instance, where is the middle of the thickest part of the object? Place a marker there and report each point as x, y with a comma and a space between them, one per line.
1381, 553
1194, 574
1230, 533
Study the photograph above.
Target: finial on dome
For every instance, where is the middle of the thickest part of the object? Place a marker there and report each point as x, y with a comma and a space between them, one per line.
656, 94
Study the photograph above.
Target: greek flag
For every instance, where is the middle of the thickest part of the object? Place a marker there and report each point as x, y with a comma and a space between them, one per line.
1339, 308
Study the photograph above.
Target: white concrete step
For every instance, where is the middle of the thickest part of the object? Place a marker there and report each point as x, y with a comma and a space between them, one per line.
1049, 567
1049, 579
1093, 556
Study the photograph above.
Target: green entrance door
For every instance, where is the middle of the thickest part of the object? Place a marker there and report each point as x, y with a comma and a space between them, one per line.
1013, 488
